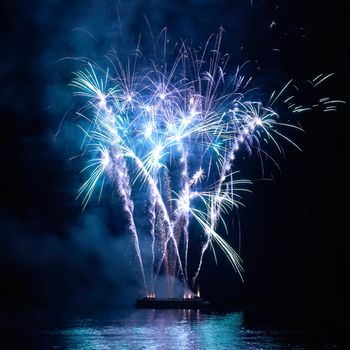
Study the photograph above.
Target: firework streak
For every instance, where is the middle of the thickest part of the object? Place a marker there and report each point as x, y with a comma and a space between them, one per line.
172, 131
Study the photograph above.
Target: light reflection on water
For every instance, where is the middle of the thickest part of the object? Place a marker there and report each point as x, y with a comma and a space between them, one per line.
166, 330
155, 329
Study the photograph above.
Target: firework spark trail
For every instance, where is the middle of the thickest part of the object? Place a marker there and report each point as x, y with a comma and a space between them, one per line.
182, 219
189, 119
89, 83
152, 220
124, 190
215, 208
159, 200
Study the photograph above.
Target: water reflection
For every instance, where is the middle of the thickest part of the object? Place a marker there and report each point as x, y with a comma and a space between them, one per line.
157, 329
172, 329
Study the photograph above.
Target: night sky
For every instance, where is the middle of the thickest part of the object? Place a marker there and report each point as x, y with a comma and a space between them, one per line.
293, 226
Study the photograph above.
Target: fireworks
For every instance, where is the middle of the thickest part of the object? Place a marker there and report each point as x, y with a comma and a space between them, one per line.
173, 131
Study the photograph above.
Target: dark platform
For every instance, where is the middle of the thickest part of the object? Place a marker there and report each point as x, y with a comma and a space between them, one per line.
172, 303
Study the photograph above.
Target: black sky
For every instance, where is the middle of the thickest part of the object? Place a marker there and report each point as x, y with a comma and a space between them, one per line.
293, 228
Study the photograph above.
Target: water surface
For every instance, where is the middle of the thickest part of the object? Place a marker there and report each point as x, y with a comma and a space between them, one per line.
160, 329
